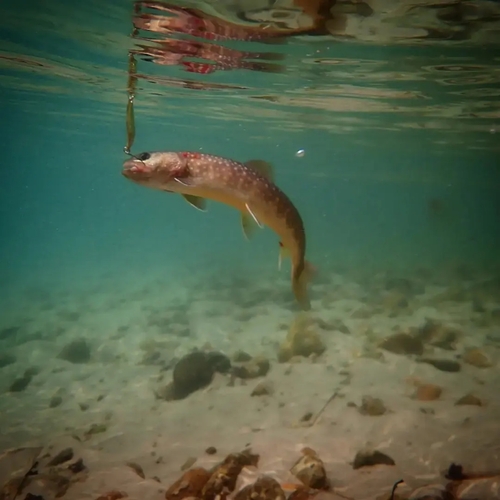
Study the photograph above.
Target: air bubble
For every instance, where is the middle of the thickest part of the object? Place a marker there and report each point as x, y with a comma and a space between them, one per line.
300, 153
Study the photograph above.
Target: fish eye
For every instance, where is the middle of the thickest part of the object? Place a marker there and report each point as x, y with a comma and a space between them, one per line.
144, 156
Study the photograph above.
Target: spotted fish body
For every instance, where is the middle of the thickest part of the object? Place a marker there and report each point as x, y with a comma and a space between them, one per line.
248, 187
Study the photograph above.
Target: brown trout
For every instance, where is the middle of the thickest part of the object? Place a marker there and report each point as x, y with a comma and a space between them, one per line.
248, 187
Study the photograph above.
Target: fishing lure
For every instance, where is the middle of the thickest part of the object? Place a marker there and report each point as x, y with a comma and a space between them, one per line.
131, 88
132, 83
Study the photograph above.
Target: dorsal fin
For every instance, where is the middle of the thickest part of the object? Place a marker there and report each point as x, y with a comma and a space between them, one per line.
263, 167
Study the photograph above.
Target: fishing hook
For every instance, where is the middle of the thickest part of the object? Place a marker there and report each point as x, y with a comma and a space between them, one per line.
127, 152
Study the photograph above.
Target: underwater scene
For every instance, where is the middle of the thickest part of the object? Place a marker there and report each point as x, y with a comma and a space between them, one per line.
250, 250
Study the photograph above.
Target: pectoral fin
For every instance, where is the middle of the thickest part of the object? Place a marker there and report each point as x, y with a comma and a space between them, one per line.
263, 167
182, 183
196, 202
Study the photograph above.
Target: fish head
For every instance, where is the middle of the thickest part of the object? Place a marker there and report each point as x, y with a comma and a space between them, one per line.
155, 169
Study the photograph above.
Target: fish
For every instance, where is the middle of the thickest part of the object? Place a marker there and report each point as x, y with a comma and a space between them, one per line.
248, 187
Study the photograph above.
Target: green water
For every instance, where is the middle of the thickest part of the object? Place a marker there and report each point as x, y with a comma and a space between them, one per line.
388, 148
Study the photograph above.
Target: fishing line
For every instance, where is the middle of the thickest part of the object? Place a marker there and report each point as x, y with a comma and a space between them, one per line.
131, 89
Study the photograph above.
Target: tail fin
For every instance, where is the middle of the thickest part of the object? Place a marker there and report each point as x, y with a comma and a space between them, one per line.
299, 285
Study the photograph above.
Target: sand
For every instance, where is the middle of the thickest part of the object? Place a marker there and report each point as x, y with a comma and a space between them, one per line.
126, 321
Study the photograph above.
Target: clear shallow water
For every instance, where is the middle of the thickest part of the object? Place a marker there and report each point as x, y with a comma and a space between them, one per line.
385, 129
400, 167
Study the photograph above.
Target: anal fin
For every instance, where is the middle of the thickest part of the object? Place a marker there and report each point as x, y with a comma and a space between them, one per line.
253, 216
248, 225
284, 253
196, 202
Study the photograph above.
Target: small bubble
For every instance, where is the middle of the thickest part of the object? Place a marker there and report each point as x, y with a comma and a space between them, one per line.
300, 153
493, 130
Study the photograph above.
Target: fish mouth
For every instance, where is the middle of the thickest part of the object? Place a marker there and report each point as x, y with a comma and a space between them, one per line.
135, 168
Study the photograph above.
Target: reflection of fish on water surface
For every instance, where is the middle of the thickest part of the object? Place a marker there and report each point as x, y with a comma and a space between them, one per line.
248, 187
268, 25
171, 52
